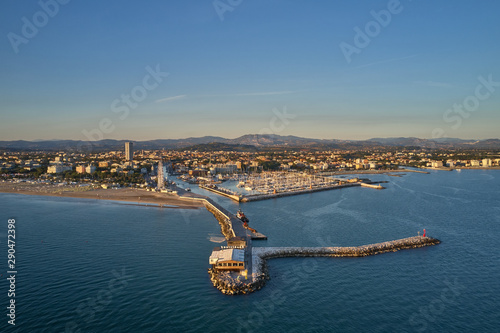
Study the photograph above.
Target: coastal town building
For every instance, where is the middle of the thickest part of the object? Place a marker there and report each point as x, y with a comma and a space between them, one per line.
437, 164
223, 169
80, 169
90, 169
129, 151
486, 162
57, 168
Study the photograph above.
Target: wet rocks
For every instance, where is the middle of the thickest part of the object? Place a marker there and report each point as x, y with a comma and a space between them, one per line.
229, 285
225, 224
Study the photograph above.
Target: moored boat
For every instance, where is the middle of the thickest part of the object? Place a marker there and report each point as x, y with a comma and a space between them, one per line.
241, 216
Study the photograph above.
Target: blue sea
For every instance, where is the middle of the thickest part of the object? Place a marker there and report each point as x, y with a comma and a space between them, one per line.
100, 266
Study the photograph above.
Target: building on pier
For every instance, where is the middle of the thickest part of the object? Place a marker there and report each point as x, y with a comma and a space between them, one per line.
229, 259
237, 242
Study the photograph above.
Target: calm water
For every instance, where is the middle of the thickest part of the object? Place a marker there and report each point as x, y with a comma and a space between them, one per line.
108, 267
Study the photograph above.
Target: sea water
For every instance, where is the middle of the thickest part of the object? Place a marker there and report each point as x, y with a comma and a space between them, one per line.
97, 266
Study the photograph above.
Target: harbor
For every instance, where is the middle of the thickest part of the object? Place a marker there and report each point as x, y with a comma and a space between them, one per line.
240, 268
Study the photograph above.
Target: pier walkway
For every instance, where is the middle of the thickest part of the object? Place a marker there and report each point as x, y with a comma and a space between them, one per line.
222, 192
375, 186
233, 223
231, 226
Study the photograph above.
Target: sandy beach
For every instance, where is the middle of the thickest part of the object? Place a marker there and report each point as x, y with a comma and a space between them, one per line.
129, 195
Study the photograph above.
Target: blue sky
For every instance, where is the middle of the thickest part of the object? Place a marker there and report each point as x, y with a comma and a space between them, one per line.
233, 68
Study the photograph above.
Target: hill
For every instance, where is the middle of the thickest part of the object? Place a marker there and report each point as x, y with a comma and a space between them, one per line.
250, 142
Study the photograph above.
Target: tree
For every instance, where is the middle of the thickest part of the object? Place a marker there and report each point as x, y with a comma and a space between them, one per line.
271, 165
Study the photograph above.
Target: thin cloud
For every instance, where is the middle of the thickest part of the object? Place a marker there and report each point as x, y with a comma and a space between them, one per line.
264, 93
386, 61
168, 99
434, 84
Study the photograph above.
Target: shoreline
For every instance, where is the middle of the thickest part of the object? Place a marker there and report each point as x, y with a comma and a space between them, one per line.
425, 170
461, 168
127, 196
367, 172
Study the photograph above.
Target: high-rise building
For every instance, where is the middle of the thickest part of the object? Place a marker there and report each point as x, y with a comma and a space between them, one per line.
129, 151
161, 175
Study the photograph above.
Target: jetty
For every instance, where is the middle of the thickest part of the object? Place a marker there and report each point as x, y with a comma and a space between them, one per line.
222, 191
231, 285
239, 268
375, 186
231, 226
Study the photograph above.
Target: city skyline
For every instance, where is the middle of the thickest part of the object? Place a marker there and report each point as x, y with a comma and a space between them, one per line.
328, 70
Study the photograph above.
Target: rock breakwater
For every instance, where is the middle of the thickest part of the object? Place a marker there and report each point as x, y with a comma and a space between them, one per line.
229, 285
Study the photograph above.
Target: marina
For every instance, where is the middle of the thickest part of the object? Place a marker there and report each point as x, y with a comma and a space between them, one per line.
269, 185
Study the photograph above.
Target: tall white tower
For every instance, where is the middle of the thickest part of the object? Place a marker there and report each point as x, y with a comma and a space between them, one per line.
129, 151
161, 175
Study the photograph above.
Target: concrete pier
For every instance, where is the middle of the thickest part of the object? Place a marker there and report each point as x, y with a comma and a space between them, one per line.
375, 186
227, 227
222, 192
231, 226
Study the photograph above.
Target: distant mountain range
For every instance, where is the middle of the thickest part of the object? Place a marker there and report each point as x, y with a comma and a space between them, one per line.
249, 142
